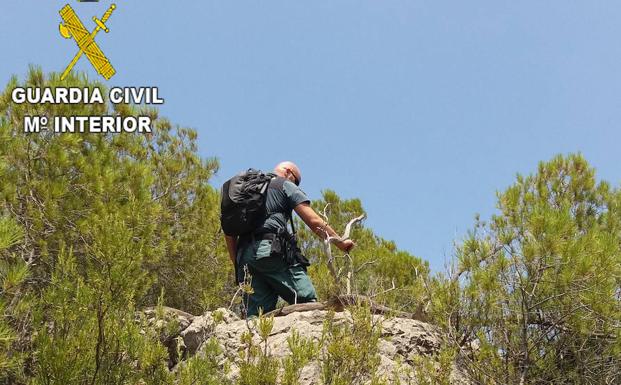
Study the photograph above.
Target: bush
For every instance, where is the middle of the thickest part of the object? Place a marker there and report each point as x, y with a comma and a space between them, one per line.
351, 351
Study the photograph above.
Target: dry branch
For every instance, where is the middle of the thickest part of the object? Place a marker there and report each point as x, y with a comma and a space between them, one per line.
332, 239
339, 303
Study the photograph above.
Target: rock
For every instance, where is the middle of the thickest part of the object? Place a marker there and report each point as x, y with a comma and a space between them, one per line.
403, 339
203, 327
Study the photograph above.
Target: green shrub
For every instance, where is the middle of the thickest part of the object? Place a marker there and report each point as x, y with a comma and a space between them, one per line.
258, 366
203, 368
351, 351
303, 350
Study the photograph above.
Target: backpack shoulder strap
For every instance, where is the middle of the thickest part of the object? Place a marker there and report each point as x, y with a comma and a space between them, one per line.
291, 220
276, 181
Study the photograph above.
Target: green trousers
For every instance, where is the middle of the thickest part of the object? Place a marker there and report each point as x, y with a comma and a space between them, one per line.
272, 278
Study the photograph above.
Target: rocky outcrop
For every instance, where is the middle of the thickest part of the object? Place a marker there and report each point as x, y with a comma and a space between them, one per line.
403, 339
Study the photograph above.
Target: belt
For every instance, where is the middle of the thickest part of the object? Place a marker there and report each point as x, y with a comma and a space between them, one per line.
257, 236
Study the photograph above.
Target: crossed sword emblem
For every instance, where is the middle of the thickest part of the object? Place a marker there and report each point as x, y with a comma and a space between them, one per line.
73, 27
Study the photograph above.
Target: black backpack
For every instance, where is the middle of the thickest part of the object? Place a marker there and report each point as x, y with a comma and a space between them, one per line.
242, 208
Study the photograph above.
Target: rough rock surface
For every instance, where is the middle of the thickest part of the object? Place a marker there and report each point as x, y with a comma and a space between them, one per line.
402, 339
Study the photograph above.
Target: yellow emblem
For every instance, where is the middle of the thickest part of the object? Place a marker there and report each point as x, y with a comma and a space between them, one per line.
73, 27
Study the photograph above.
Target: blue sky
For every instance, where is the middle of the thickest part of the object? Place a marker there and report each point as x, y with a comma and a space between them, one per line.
421, 109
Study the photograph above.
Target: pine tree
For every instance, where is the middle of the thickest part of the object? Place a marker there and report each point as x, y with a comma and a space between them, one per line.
109, 223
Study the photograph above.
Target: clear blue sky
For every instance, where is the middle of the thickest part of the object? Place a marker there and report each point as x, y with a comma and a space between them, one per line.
442, 101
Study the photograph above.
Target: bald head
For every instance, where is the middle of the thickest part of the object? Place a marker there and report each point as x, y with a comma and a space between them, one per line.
288, 170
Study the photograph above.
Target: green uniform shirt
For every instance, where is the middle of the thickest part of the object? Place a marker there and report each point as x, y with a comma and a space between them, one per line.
280, 203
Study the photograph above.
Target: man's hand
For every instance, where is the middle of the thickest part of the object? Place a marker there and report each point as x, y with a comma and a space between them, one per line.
346, 245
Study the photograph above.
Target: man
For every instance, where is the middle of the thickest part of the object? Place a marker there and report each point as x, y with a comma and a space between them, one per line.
262, 251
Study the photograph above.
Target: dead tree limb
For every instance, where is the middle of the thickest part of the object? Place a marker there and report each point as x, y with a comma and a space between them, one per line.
332, 239
339, 303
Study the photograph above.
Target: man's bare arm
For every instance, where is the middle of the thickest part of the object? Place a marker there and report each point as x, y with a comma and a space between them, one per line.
231, 246
319, 226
